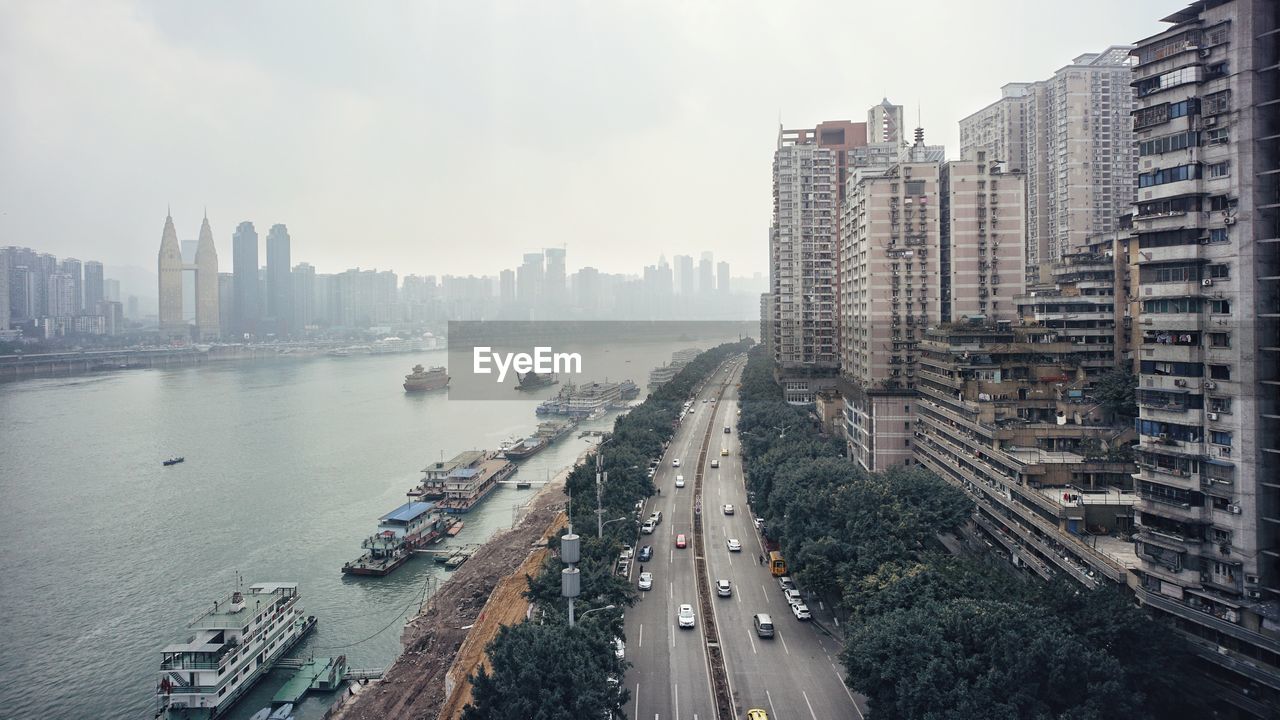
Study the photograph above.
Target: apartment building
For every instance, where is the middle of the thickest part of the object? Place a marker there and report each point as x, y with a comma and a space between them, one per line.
1005, 413
922, 242
1072, 135
1208, 229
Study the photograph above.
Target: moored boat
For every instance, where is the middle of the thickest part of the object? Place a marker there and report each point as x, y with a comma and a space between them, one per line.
409, 527
423, 380
173, 461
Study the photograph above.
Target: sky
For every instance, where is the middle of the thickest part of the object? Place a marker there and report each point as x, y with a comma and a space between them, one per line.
436, 137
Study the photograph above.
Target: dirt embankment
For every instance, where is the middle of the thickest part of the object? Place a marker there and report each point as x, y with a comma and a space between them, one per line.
445, 643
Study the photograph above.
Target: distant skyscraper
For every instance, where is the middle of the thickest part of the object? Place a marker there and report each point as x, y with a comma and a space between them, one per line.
93, 287
170, 271
555, 288
884, 123
73, 268
4, 289
507, 287
529, 280
279, 280
684, 274
706, 274
226, 305
111, 289
208, 308
61, 295
304, 290
244, 266
722, 277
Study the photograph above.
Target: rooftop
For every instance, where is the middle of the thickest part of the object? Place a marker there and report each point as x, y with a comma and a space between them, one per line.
407, 512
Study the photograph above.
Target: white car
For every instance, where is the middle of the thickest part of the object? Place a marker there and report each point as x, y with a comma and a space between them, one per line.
646, 581
619, 648
801, 611
728, 509
715, 463
685, 616
675, 462
793, 597
648, 527
723, 588
679, 481
734, 545
626, 553
786, 583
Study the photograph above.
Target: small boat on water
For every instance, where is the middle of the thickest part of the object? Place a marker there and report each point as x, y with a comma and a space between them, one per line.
174, 461
423, 380
284, 712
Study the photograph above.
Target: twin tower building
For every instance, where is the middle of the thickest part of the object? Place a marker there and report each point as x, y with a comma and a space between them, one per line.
175, 319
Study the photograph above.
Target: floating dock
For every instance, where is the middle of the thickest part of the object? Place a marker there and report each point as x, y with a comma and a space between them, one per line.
319, 674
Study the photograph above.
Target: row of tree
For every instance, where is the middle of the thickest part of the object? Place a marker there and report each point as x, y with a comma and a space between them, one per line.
931, 634
543, 669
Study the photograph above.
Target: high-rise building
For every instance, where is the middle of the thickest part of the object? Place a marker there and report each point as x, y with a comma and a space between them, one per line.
529, 280
226, 305
303, 283
4, 290
684, 279
244, 266
555, 288
1208, 211
208, 309
706, 273
111, 289
1080, 159
722, 277
172, 324
507, 287
884, 123
93, 287
73, 268
279, 280
61, 296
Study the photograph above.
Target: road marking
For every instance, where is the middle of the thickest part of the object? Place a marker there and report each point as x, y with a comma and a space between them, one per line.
637, 713
676, 689
772, 709
673, 636
812, 714
640, 642
753, 643
846, 690
784, 643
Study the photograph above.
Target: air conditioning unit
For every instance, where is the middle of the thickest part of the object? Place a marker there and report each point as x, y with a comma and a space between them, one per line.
1212, 416
1210, 121
1235, 509
1206, 282
1224, 451
1206, 52
1179, 383
1164, 436
1210, 385
1228, 220
1254, 594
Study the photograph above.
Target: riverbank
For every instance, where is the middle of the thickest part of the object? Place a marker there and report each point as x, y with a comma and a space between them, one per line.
446, 641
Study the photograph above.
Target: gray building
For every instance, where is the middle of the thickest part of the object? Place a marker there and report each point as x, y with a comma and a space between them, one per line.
1207, 214
93, 286
555, 289
74, 268
304, 296
226, 305
884, 124
279, 306
706, 274
529, 280
684, 280
244, 266
4, 290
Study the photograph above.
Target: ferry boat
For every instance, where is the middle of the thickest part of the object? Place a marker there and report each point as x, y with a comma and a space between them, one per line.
409, 527
435, 474
532, 380
548, 432
231, 647
629, 390
589, 398
465, 487
398, 345
422, 380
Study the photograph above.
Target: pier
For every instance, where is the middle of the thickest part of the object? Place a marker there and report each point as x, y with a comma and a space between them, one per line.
319, 675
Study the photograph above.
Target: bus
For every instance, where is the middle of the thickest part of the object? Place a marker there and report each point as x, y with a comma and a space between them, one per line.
777, 565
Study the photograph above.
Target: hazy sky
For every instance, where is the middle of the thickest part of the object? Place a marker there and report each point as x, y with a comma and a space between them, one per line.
450, 137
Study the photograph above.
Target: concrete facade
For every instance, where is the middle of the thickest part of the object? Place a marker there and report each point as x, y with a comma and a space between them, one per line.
170, 266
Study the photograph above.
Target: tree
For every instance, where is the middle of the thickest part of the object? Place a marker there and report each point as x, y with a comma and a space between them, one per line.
1117, 391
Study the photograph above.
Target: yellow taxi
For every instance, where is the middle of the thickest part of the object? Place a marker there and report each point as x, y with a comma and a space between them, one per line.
724, 451
757, 714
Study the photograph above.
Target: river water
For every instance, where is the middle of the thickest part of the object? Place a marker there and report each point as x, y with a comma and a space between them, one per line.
106, 554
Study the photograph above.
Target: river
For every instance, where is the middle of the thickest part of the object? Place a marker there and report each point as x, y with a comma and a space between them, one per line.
289, 463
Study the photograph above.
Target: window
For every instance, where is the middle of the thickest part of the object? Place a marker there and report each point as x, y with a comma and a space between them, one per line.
1169, 206
1217, 35
1220, 437
1221, 202
1218, 235
1169, 143
1216, 70
1181, 76
1219, 170
1220, 404
1168, 175
1168, 238
1191, 106
915, 187
1224, 473
1220, 372
1173, 431
1167, 48
1220, 340
1176, 369
1218, 102
1171, 305
1219, 271
1220, 307
1169, 273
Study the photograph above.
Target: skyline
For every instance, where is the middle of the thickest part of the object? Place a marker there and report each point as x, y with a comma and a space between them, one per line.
368, 142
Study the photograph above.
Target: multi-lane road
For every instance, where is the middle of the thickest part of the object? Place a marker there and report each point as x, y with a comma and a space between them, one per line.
796, 673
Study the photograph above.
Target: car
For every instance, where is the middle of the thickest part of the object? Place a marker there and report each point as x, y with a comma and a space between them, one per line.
715, 463
626, 553
656, 517
793, 597
723, 588
786, 583
685, 616
734, 545
690, 411
758, 521
651, 473
675, 462
624, 567
727, 430
728, 508
801, 611
648, 527
757, 714
646, 553
724, 452
679, 481
704, 401
619, 648
681, 542
646, 581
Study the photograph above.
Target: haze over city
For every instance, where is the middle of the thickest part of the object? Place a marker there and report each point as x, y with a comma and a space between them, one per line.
434, 137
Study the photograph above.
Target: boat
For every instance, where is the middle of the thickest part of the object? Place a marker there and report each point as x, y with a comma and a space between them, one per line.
547, 433
585, 400
455, 527
523, 485
230, 647
532, 380
628, 389
465, 487
173, 461
282, 713
422, 380
398, 345
435, 474
262, 714
339, 352
410, 527
526, 448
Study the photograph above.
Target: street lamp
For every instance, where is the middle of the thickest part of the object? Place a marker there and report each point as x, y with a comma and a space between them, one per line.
606, 607
606, 522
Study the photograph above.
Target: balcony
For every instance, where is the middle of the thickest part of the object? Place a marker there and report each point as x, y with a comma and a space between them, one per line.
1189, 288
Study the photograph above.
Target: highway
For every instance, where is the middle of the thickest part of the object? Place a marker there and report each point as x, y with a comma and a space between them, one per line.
796, 673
